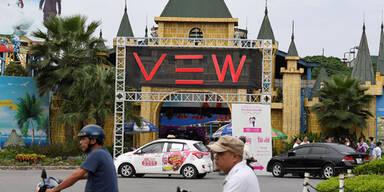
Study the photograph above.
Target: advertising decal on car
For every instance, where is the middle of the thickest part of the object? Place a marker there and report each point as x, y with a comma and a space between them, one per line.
173, 161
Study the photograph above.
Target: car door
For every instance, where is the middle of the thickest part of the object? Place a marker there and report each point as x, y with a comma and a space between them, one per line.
148, 158
296, 158
315, 158
174, 157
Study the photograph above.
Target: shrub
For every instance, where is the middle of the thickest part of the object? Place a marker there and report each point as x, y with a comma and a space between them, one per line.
362, 183
30, 158
373, 167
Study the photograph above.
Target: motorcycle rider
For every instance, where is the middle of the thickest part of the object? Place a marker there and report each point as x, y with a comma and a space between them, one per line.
98, 167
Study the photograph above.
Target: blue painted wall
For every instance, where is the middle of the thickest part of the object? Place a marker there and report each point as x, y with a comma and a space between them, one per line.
13, 90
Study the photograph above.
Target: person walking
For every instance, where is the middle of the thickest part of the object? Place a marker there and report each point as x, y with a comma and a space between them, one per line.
305, 140
228, 152
98, 167
247, 155
371, 145
376, 152
362, 146
297, 142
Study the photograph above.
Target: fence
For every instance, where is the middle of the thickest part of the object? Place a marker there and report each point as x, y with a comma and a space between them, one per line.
307, 187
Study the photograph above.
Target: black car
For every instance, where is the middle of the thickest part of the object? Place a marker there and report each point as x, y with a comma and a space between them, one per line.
324, 159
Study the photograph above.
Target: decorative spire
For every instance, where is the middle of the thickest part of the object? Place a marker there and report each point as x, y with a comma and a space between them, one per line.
125, 29
363, 69
101, 33
266, 31
293, 31
319, 83
292, 51
380, 59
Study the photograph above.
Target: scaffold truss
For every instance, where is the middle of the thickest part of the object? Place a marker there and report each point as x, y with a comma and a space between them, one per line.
121, 95
192, 97
191, 42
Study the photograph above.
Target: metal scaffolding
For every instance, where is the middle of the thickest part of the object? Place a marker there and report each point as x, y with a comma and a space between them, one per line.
121, 95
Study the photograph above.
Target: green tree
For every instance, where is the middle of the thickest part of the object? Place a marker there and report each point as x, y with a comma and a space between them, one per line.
68, 46
343, 105
15, 69
333, 65
29, 110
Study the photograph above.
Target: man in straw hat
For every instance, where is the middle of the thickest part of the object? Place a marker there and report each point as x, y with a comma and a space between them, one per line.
228, 157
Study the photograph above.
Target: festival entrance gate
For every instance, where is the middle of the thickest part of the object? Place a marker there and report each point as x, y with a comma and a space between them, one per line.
135, 51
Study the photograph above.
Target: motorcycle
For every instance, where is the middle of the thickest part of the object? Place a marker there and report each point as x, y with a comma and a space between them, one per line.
51, 182
47, 182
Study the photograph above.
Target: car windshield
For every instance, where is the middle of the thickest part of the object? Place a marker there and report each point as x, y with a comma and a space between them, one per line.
201, 147
344, 149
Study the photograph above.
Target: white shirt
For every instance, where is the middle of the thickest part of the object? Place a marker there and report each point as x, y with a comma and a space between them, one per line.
302, 143
246, 153
295, 145
241, 178
376, 153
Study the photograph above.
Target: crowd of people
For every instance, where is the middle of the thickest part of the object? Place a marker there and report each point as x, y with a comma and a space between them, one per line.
374, 150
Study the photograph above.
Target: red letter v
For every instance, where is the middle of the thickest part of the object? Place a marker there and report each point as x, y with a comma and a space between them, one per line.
148, 78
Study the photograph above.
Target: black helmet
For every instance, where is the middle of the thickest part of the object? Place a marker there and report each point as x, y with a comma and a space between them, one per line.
93, 132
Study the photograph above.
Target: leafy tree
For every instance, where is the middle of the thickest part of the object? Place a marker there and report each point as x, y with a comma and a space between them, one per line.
333, 65
68, 46
343, 105
14, 69
29, 111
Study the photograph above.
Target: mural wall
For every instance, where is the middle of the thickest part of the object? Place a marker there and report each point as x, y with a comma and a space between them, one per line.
22, 110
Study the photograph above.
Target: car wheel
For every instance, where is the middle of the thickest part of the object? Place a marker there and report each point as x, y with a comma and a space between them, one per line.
200, 176
139, 175
189, 171
126, 170
277, 170
328, 171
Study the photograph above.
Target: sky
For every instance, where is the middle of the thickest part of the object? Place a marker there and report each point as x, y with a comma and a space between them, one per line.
335, 25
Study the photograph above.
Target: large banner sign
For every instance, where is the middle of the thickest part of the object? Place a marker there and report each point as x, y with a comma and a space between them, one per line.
23, 114
254, 122
181, 67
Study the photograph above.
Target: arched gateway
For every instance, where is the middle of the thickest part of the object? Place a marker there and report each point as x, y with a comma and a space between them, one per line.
175, 71
222, 66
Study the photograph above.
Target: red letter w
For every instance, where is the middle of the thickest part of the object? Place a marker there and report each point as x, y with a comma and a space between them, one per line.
148, 78
228, 61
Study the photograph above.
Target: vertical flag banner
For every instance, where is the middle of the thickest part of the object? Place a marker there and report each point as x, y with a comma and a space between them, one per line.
254, 122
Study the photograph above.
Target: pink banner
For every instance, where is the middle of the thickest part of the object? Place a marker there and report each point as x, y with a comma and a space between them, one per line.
252, 130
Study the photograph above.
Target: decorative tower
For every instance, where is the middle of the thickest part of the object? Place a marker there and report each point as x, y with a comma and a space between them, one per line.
291, 91
380, 60
323, 76
363, 69
266, 32
125, 29
102, 50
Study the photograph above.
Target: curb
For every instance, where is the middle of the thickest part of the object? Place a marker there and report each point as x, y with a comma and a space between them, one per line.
38, 167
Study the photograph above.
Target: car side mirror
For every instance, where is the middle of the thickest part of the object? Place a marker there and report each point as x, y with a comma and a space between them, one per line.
291, 153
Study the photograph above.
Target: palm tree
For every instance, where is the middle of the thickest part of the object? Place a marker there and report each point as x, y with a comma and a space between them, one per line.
29, 111
343, 105
69, 45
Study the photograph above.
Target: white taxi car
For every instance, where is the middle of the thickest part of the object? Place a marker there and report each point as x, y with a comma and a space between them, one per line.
166, 156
